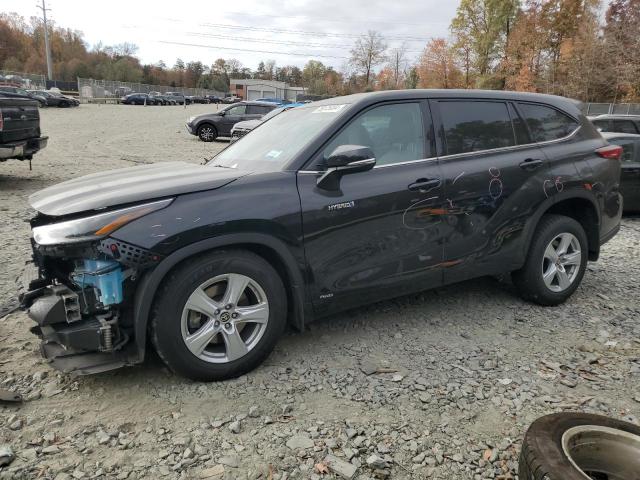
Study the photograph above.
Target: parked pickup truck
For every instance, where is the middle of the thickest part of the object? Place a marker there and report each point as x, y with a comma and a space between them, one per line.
19, 128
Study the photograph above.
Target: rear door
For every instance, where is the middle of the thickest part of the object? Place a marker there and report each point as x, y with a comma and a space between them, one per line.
493, 177
379, 234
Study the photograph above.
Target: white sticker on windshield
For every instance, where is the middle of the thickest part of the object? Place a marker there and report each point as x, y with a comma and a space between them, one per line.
329, 109
273, 154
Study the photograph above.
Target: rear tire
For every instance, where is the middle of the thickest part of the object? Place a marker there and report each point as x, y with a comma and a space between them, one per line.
545, 456
552, 272
204, 330
207, 132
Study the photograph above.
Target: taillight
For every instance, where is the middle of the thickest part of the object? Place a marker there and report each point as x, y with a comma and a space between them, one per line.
611, 152
1, 121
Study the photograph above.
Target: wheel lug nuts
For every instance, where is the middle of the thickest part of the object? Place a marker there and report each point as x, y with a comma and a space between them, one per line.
227, 325
228, 307
234, 315
216, 324
217, 312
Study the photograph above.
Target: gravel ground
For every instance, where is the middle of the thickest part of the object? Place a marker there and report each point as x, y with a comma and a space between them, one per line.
438, 385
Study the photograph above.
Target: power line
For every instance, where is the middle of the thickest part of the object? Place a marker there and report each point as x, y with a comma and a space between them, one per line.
251, 50
309, 33
282, 42
341, 20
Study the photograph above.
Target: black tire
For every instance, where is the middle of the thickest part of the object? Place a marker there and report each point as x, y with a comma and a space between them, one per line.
529, 281
207, 132
542, 456
172, 296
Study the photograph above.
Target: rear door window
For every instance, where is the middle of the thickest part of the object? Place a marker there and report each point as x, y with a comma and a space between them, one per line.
257, 109
471, 126
624, 126
546, 123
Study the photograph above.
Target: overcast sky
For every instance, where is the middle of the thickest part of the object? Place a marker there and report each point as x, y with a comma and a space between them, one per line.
287, 31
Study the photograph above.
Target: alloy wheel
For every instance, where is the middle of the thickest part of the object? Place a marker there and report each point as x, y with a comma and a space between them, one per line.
561, 262
224, 318
206, 133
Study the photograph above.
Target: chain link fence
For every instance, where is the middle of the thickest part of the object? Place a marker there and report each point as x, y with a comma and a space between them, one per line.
25, 80
90, 88
611, 108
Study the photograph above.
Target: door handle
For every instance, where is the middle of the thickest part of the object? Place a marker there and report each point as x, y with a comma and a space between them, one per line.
531, 163
424, 184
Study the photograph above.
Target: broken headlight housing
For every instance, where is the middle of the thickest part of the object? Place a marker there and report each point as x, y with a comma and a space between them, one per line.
94, 227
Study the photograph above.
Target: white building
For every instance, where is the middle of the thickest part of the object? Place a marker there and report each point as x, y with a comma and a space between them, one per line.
253, 89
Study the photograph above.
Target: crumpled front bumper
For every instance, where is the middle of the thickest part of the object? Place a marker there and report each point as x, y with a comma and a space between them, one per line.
73, 343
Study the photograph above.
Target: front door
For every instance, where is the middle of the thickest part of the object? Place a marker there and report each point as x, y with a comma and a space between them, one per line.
231, 117
493, 183
378, 235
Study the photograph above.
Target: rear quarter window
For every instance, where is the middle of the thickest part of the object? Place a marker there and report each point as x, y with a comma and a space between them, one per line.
546, 123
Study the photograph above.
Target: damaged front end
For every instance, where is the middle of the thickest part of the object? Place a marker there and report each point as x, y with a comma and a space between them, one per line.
80, 286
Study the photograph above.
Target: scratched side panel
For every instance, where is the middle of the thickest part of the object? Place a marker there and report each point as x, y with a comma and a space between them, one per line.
490, 199
387, 242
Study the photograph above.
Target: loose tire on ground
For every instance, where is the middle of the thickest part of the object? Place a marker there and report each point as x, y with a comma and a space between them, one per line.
543, 456
529, 279
207, 132
167, 320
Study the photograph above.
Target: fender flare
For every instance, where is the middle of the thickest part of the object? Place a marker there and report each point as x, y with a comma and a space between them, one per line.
547, 204
149, 283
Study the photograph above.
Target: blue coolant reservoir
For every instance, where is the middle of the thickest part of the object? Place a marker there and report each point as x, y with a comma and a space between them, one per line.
103, 275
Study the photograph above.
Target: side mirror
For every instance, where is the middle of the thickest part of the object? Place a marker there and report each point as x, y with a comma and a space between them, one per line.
343, 160
222, 113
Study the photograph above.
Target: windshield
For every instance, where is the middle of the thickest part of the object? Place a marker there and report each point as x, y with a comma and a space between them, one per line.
273, 145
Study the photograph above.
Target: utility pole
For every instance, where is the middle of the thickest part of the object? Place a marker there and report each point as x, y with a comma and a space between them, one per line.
46, 39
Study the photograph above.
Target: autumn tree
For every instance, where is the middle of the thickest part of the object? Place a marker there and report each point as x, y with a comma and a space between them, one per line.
367, 53
437, 67
397, 63
619, 63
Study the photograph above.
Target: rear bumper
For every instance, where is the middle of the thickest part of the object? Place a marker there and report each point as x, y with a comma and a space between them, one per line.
190, 128
609, 235
22, 150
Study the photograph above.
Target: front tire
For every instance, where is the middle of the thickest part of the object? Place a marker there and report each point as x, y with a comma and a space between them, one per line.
218, 316
207, 132
556, 261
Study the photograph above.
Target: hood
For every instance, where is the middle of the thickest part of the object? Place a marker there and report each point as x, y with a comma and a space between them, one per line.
127, 185
197, 118
247, 124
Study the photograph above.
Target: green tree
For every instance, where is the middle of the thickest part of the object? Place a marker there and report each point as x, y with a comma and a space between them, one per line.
483, 26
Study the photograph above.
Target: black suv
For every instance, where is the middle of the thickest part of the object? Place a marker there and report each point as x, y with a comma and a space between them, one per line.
210, 126
325, 207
